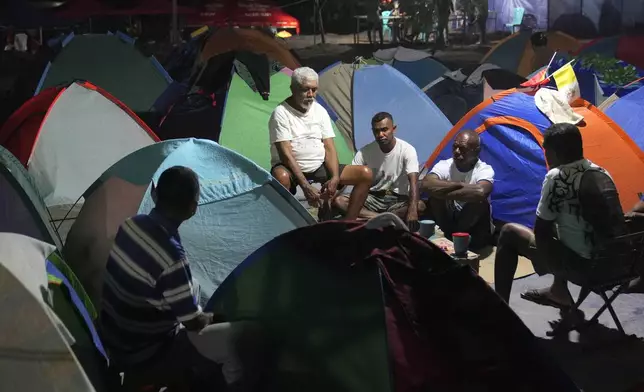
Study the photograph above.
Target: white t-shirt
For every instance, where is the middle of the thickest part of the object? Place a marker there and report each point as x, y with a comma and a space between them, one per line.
447, 171
560, 203
390, 170
305, 131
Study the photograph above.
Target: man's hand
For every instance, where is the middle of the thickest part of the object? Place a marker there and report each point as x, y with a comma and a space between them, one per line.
330, 188
312, 195
412, 219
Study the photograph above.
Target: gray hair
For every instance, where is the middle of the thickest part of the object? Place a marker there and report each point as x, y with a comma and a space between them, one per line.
302, 75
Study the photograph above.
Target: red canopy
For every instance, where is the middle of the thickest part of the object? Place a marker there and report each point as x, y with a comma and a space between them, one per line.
244, 13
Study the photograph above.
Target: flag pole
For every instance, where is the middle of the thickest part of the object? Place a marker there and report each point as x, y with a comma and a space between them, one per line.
550, 63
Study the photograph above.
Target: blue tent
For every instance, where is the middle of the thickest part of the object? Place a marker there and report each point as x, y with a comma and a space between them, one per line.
353, 95
511, 129
241, 207
628, 113
417, 65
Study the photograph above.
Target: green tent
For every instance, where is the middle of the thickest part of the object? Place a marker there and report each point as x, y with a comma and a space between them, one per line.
245, 121
111, 62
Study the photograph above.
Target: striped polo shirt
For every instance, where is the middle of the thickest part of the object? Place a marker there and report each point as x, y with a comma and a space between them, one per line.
147, 289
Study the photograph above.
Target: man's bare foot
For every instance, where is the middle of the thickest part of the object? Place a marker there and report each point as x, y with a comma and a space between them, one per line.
636, 286
549, 296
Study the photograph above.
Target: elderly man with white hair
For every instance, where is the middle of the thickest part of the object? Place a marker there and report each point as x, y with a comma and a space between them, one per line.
303, 152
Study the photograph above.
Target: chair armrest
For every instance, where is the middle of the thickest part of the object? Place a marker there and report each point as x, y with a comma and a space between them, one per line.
625, 238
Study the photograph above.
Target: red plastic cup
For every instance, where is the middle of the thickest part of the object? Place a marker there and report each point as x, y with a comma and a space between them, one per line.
461, 242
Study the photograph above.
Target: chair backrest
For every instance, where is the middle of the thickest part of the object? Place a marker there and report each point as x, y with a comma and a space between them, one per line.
518, 15
600, 206
385, 17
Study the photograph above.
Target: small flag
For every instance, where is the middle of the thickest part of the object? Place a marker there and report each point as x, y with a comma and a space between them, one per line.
199, 31
567, 82
538, 80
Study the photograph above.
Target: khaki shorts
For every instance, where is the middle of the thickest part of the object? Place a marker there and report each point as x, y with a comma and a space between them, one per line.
385, 203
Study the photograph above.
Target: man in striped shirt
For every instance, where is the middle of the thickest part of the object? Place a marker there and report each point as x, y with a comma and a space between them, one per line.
149, 297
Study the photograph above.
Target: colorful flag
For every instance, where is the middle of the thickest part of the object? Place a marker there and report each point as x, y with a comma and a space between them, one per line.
538, 80
567, 82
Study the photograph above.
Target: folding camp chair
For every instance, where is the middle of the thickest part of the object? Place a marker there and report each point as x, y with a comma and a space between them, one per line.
385, 24
611, 269
517, 19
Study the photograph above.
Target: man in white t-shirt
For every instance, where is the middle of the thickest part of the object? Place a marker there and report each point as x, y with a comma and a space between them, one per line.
459, 189
394, 163
303, 152
578, 210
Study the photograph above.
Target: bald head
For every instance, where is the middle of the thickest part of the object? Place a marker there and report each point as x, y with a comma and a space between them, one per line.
469, 138
466, 149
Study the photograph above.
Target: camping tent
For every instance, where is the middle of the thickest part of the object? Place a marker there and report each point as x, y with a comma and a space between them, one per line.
511, 129
395, 314
353, 94
625, 47
417, 65
66, 137
34, 343
111, 62
628, 113
22, 211
254, 48
241, 207
621, 92
458, 92
515, 53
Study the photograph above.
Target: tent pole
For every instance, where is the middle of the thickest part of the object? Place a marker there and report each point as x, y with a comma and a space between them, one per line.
40, 31
315, 21
175, 33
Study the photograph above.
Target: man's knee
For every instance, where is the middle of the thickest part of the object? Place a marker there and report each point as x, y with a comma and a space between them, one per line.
358, 175
511, 233
421, 207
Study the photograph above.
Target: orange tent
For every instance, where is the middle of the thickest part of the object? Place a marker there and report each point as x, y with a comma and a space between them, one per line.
511, 129
248, 40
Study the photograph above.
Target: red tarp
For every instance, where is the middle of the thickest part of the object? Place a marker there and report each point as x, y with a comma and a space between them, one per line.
242, 13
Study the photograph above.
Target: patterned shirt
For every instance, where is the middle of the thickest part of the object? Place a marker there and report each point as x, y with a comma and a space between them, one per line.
147, 288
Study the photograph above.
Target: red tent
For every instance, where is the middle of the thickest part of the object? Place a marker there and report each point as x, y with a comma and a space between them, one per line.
244, 13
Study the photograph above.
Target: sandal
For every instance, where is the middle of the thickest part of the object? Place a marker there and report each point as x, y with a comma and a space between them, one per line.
543, 299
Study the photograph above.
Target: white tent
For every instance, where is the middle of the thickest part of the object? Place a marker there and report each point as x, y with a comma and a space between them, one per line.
35, 353
84, 132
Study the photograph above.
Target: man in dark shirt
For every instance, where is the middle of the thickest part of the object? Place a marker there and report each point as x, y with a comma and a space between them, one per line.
149, 303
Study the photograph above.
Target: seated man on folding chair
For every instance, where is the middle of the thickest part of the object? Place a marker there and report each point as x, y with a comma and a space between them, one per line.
578, 210
303, 151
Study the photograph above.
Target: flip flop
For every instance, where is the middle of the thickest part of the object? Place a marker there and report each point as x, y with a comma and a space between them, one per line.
542, 299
